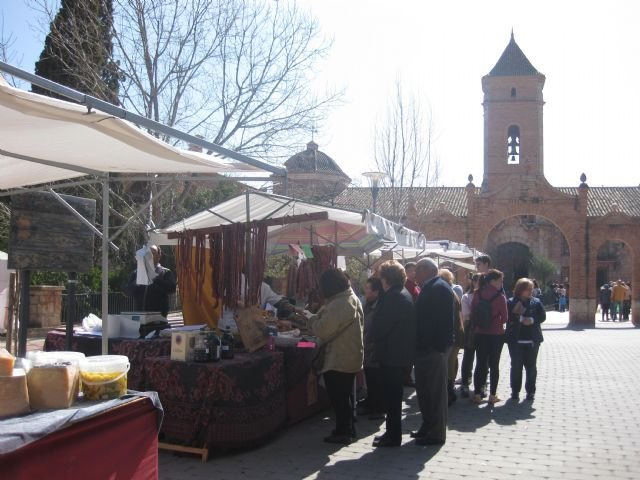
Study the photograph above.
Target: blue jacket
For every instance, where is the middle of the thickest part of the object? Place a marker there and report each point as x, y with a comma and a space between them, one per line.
394, 328
516, 330
435, 316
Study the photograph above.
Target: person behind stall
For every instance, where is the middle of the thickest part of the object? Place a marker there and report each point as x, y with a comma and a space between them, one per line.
394, 333
267, 296
155, 296
339, 324
373, 405
524, 336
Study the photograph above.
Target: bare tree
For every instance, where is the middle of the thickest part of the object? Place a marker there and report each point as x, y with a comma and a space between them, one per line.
403, 148
235, 71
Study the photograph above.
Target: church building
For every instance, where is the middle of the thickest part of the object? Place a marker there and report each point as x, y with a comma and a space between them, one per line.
590, 234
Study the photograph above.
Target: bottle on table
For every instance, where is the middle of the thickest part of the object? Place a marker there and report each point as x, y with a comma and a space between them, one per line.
227, 341
201, 347
215, 346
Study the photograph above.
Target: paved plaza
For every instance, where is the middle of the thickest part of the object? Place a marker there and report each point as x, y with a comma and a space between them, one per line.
584, 423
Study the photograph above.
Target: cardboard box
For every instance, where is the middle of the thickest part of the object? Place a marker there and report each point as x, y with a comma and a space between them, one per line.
183, 344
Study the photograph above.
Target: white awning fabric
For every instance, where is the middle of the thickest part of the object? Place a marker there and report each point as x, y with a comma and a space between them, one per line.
43, 140
354, 233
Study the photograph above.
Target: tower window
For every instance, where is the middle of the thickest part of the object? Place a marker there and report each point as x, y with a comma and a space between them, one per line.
513, 145
513, 92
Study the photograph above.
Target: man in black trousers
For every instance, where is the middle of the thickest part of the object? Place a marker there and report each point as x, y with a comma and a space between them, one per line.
434, 337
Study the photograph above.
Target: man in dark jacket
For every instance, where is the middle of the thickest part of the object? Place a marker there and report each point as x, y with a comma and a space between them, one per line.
434, 337
155, 296
393, 333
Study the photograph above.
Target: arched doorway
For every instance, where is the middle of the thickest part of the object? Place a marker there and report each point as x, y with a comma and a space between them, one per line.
614, 262
514, 260
529, 246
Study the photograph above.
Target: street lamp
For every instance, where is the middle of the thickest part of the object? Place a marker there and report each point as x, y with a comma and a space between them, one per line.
374, 180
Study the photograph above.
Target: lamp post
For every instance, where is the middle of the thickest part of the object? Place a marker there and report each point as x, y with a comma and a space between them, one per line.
374, 180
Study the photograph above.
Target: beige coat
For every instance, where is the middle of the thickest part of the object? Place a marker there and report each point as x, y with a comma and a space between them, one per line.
344, 352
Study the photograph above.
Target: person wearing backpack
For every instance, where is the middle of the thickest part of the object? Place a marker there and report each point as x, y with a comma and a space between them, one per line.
488, 316
524, 337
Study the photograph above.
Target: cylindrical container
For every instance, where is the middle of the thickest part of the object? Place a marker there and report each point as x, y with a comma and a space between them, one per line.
227, 342
51, 358
201, 348
104, 377
215, 348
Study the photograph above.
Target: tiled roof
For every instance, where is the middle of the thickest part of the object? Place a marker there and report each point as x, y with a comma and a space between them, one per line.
313, 160
602, 198
513, 63
426, 200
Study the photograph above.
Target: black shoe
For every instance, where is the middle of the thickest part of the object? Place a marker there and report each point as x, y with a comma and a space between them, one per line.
339, 439
417, 434
531, 396
515, 396
385, 441
425, 441
464, 391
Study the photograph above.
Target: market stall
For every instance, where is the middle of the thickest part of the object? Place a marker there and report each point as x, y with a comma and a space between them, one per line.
114, 439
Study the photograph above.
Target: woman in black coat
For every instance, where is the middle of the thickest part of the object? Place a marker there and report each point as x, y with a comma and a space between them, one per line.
394, 336
524, 336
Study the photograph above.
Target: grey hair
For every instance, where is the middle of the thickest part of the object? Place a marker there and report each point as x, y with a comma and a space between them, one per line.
429, 265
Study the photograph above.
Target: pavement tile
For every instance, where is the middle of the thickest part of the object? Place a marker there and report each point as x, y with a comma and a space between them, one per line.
583, 424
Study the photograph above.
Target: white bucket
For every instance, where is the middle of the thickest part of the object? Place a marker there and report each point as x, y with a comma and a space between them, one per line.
104, 376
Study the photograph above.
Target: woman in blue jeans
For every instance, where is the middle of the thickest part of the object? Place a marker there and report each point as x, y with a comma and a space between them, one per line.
524, 336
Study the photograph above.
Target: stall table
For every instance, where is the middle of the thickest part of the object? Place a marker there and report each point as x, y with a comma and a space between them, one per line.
228, 404
136, 349
114, 439
304, 396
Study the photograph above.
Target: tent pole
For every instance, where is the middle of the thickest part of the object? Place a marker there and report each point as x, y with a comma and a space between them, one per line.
23, 320
105, 266
247, 254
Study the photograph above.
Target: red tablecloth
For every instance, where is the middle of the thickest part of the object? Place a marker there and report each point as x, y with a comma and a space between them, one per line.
118, 444
225, 405
137, 350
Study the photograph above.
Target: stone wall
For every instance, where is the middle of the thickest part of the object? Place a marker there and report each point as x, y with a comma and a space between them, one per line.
45, 307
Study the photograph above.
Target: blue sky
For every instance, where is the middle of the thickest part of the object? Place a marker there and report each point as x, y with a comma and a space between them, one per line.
589, 52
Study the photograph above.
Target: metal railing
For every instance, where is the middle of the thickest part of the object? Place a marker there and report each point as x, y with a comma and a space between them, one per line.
87, 303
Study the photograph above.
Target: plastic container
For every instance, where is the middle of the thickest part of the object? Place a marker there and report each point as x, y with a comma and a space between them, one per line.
39, 359
104, 377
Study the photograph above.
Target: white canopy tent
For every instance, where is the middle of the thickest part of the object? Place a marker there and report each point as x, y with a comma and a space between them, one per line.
457, 253
353, 233
45, 140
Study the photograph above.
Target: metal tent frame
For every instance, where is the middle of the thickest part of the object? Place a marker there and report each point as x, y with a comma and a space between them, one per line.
103, 177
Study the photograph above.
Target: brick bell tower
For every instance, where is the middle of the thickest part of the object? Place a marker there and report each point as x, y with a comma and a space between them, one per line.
513, 138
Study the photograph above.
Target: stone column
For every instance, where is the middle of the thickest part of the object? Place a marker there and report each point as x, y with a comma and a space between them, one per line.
45, 306
582, 302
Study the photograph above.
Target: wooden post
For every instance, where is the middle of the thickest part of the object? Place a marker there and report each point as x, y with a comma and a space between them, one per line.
10, 344
23, 321
71, 309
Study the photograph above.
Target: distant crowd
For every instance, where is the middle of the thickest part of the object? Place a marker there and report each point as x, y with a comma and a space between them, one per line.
614, 299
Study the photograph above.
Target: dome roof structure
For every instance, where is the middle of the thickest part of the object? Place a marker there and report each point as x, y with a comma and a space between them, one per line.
313, 160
